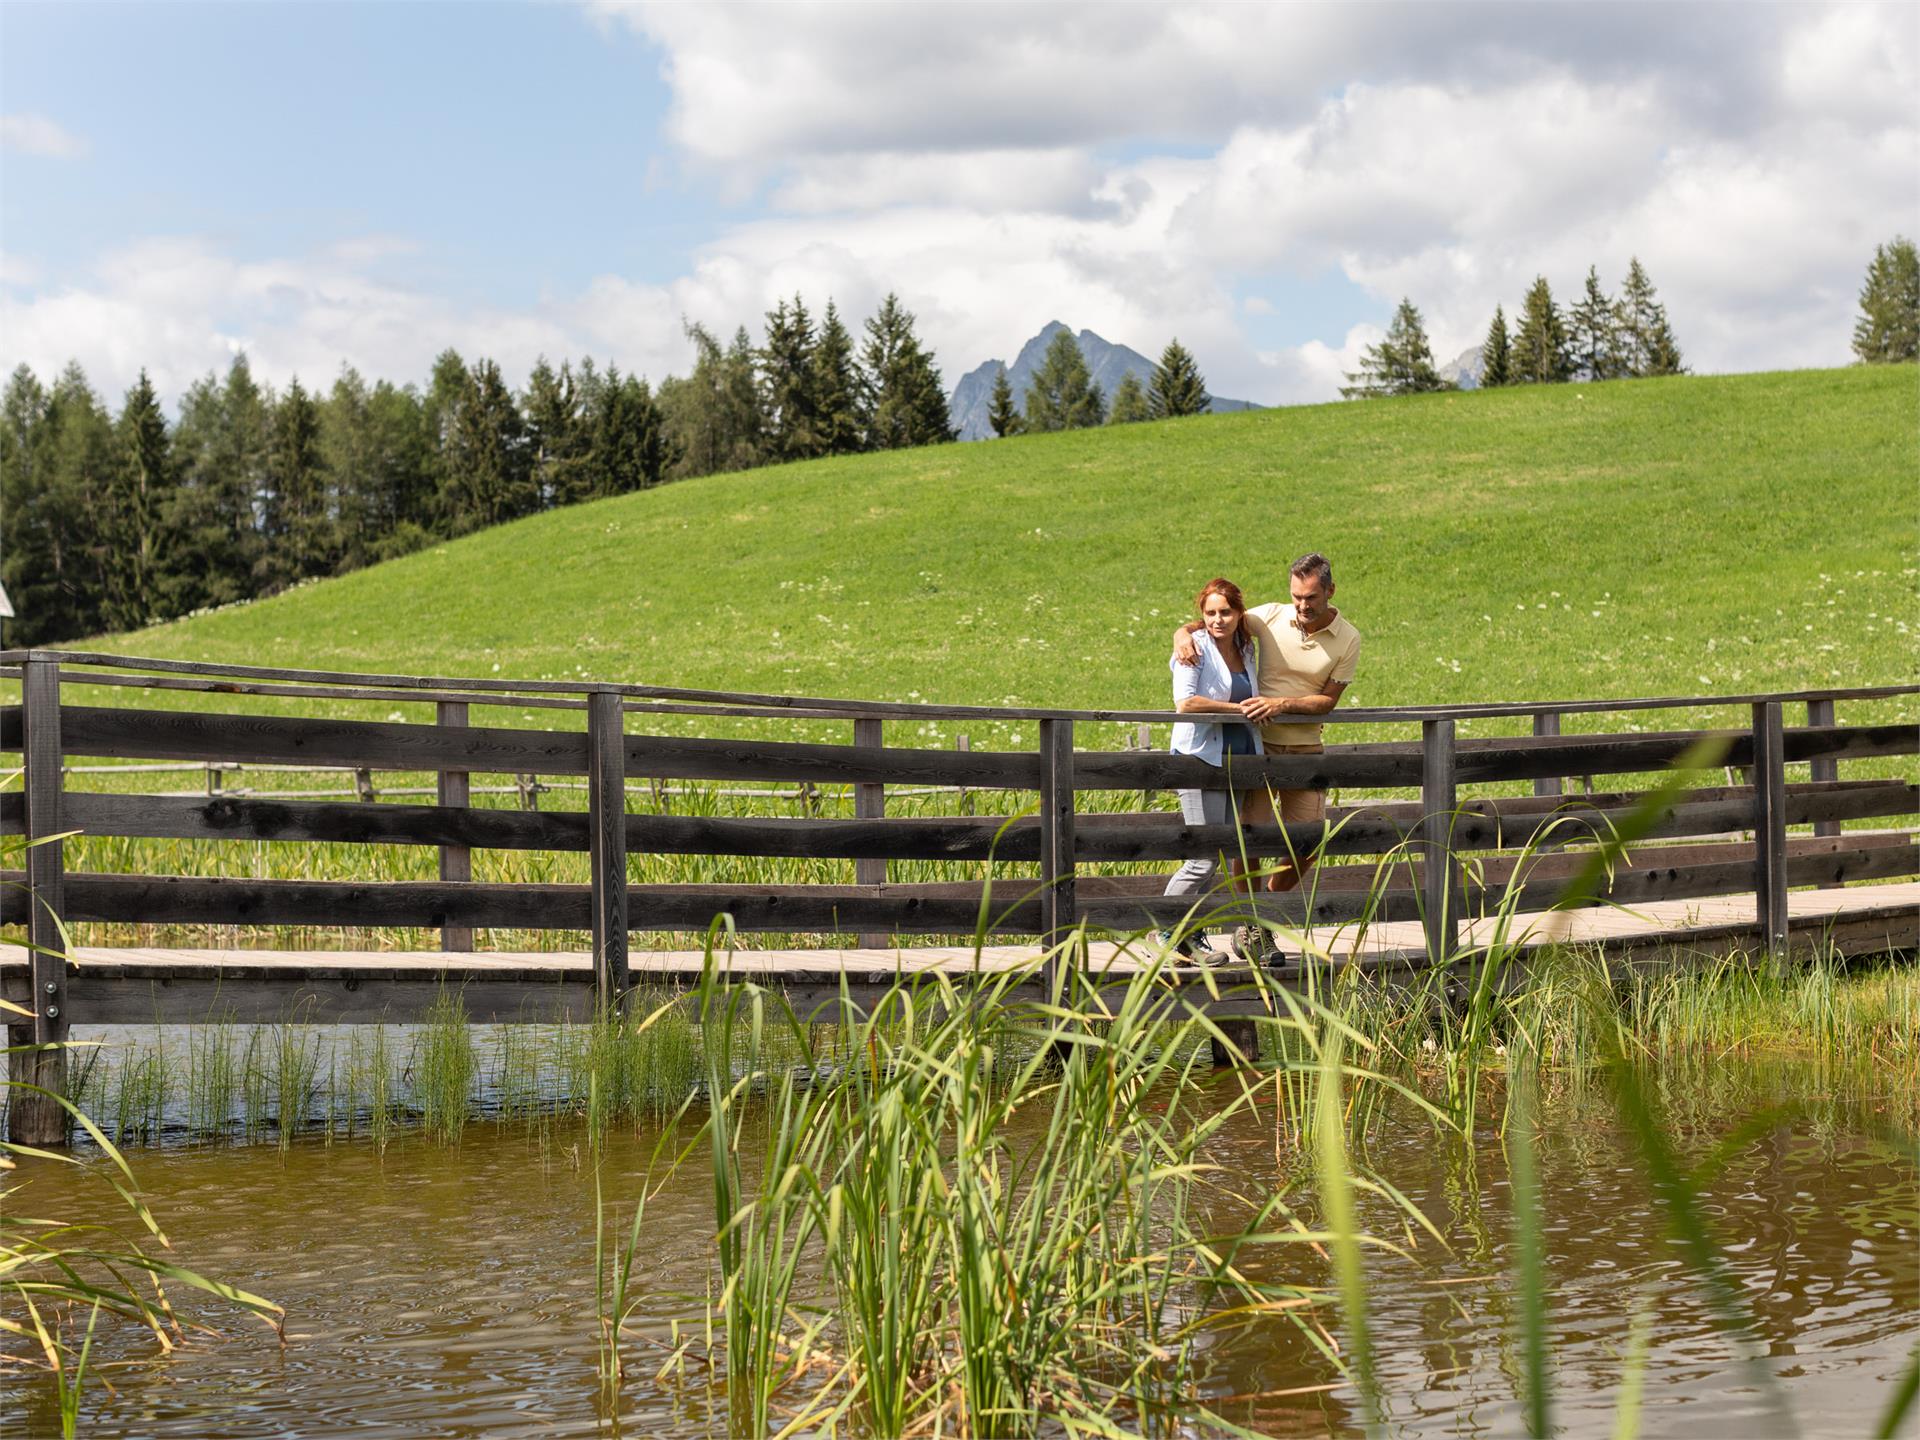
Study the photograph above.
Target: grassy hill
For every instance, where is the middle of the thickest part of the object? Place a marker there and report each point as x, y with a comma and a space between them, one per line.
1681, 535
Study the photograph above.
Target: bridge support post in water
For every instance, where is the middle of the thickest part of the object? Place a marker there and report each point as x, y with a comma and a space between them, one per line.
870, 803
1440, 896
1820, 712
1544, 724
456, 861
607, 843
38, 1119
1770, 825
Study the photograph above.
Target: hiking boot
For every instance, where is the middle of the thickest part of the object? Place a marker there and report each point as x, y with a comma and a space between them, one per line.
1251, 944
1185, 946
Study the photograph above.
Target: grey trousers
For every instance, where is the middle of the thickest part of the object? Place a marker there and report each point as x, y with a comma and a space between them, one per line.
1202, 807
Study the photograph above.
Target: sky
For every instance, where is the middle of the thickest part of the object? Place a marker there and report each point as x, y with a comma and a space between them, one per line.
319, 184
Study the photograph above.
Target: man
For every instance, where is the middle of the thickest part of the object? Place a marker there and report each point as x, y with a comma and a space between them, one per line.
1308, 653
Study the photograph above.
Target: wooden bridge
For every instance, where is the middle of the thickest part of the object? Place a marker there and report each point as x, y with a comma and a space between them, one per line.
1759, 863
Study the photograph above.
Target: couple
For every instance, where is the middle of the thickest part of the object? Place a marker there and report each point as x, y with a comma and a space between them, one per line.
1272, 668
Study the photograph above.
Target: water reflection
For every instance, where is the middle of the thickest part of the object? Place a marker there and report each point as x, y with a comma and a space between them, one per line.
449, 1290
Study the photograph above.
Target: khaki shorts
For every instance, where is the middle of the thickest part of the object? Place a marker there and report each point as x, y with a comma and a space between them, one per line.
1294, 806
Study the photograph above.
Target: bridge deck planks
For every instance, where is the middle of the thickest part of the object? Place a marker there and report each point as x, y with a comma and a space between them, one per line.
1893, 908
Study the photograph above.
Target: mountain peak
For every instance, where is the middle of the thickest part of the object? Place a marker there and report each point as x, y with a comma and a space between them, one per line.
1107, 363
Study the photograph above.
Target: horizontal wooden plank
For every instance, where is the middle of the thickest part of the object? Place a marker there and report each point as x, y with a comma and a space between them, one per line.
1114, 838
12, 729
78, 660
298, 740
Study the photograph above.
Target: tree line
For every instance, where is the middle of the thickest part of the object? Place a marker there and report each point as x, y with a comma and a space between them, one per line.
1602, 338
113, 522
1599, 338
1062, 396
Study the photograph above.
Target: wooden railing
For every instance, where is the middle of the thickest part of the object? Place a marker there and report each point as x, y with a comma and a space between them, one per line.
1428, 837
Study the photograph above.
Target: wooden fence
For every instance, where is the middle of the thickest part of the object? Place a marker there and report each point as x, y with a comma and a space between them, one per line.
1431, 836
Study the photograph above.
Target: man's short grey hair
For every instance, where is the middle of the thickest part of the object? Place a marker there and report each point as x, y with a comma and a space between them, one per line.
1313, 566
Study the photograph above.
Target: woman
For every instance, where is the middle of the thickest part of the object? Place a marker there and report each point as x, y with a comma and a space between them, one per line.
1219, 686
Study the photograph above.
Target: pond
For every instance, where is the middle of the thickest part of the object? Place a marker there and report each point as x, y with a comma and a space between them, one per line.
443, 1289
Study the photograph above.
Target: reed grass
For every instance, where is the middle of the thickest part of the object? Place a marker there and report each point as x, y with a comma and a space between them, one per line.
444, 1068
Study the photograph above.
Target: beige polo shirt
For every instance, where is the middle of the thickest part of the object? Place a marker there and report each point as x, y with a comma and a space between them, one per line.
1292, 664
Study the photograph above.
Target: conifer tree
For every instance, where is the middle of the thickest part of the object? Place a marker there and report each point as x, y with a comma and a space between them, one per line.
1539, 354
374, 445
489, 471
1178, 387
1401, 364
136, 510
23, 444
1496, 354
627, 439
905, 403
836, 387
1061, 395
1888, 329
57, 465
556, 438
1644, 343
220, 445
1002, 415
744, 422
1129, 401
791, 401
712, 414
297, 531
1592, 337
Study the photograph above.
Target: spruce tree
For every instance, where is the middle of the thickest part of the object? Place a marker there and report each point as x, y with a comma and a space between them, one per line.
1592, 337
743, 420
380, 467
1129, 401
1888, 329
1401, 364
1644, 343
221, 446
58, 465
1061, 395
627, 435
23, 445
1001, 414
836, 387
1178, 387
1496, 354
556, 437
791, 400
297, 532
1540, 346
489, 472
136, 510
905, 403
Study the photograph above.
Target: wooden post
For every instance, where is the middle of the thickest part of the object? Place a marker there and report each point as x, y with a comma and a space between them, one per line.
1437, 803
607, 843
870, 803
456, 861
1820, 712
1057, 910
1770, 825
36, 1119
1547, 724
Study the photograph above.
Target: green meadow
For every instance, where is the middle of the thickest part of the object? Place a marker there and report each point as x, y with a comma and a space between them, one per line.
1678, 536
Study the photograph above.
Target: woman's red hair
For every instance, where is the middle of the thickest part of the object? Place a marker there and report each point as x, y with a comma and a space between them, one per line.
1229, 592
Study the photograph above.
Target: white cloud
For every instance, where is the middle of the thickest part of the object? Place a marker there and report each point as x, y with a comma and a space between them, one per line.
26, 134
999, 167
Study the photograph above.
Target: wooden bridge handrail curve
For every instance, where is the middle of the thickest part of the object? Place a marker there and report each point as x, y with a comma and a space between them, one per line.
490, 691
